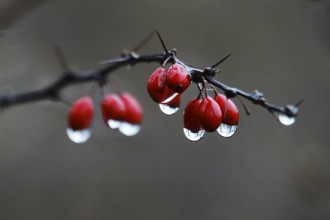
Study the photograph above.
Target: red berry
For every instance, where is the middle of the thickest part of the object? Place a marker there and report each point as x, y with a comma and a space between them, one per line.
210, 114
133, 110
112, 107
81, 114
191, 115
177, 78
228, 108
156, 85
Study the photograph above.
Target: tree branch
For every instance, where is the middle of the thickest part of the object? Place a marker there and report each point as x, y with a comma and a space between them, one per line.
52, 92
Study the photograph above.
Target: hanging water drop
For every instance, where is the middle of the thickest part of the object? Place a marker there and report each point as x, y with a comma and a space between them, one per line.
78, 136
129, 129
193, 136
227, 130
114, 124
168, 110
284, 119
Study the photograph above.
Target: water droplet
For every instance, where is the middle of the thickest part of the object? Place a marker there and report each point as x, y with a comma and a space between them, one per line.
78, 136
193, 136
170, 98
113, 124
167, 109
129, 129
285, 120
227, 130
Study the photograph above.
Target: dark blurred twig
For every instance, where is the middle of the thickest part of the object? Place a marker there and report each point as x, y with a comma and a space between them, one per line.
14, 10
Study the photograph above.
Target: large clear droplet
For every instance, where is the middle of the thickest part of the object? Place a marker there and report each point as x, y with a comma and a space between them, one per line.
227, 130
168, 110
113, 124
285, 120
170, 98
193, 136
78, 136
129, 129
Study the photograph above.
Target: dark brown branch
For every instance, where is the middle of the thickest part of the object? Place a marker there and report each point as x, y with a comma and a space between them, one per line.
256, 97
52, 92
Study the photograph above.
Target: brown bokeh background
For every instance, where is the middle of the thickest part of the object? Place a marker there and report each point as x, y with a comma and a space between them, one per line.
266, 171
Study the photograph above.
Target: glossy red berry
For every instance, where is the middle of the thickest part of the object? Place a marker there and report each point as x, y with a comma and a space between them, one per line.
210, 114
133, 110
177, 78
156, 85
81, 114
191, 115
229, 109
113, 108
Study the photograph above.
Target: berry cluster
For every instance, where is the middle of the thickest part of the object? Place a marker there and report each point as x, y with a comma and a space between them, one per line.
210, 114
166, 87
122, 112
201, 114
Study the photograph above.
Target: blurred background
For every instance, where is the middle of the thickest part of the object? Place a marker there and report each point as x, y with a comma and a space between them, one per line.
265, 171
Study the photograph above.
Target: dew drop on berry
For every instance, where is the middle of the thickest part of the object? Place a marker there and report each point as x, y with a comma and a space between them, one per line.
193, 136
227, 130
168, 110
129, 129
285, 120
78, 136
114, 124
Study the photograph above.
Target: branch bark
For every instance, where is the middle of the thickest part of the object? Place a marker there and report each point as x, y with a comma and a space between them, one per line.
52, 92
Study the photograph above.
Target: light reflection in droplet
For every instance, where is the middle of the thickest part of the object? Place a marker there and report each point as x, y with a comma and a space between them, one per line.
129, 129
193, 136
113, 124
78, 136
167, 109
227, 130
170, 98
285, 120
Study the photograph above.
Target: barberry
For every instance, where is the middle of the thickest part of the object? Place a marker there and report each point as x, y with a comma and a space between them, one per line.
81, 114
133, 110
156, 85
228, 108
113, 110
210, 114
177, 78
80, 118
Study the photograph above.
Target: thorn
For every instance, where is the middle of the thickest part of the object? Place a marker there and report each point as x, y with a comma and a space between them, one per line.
61, 60
144, 41
162, 42
299, 103
223, 59
247, 111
